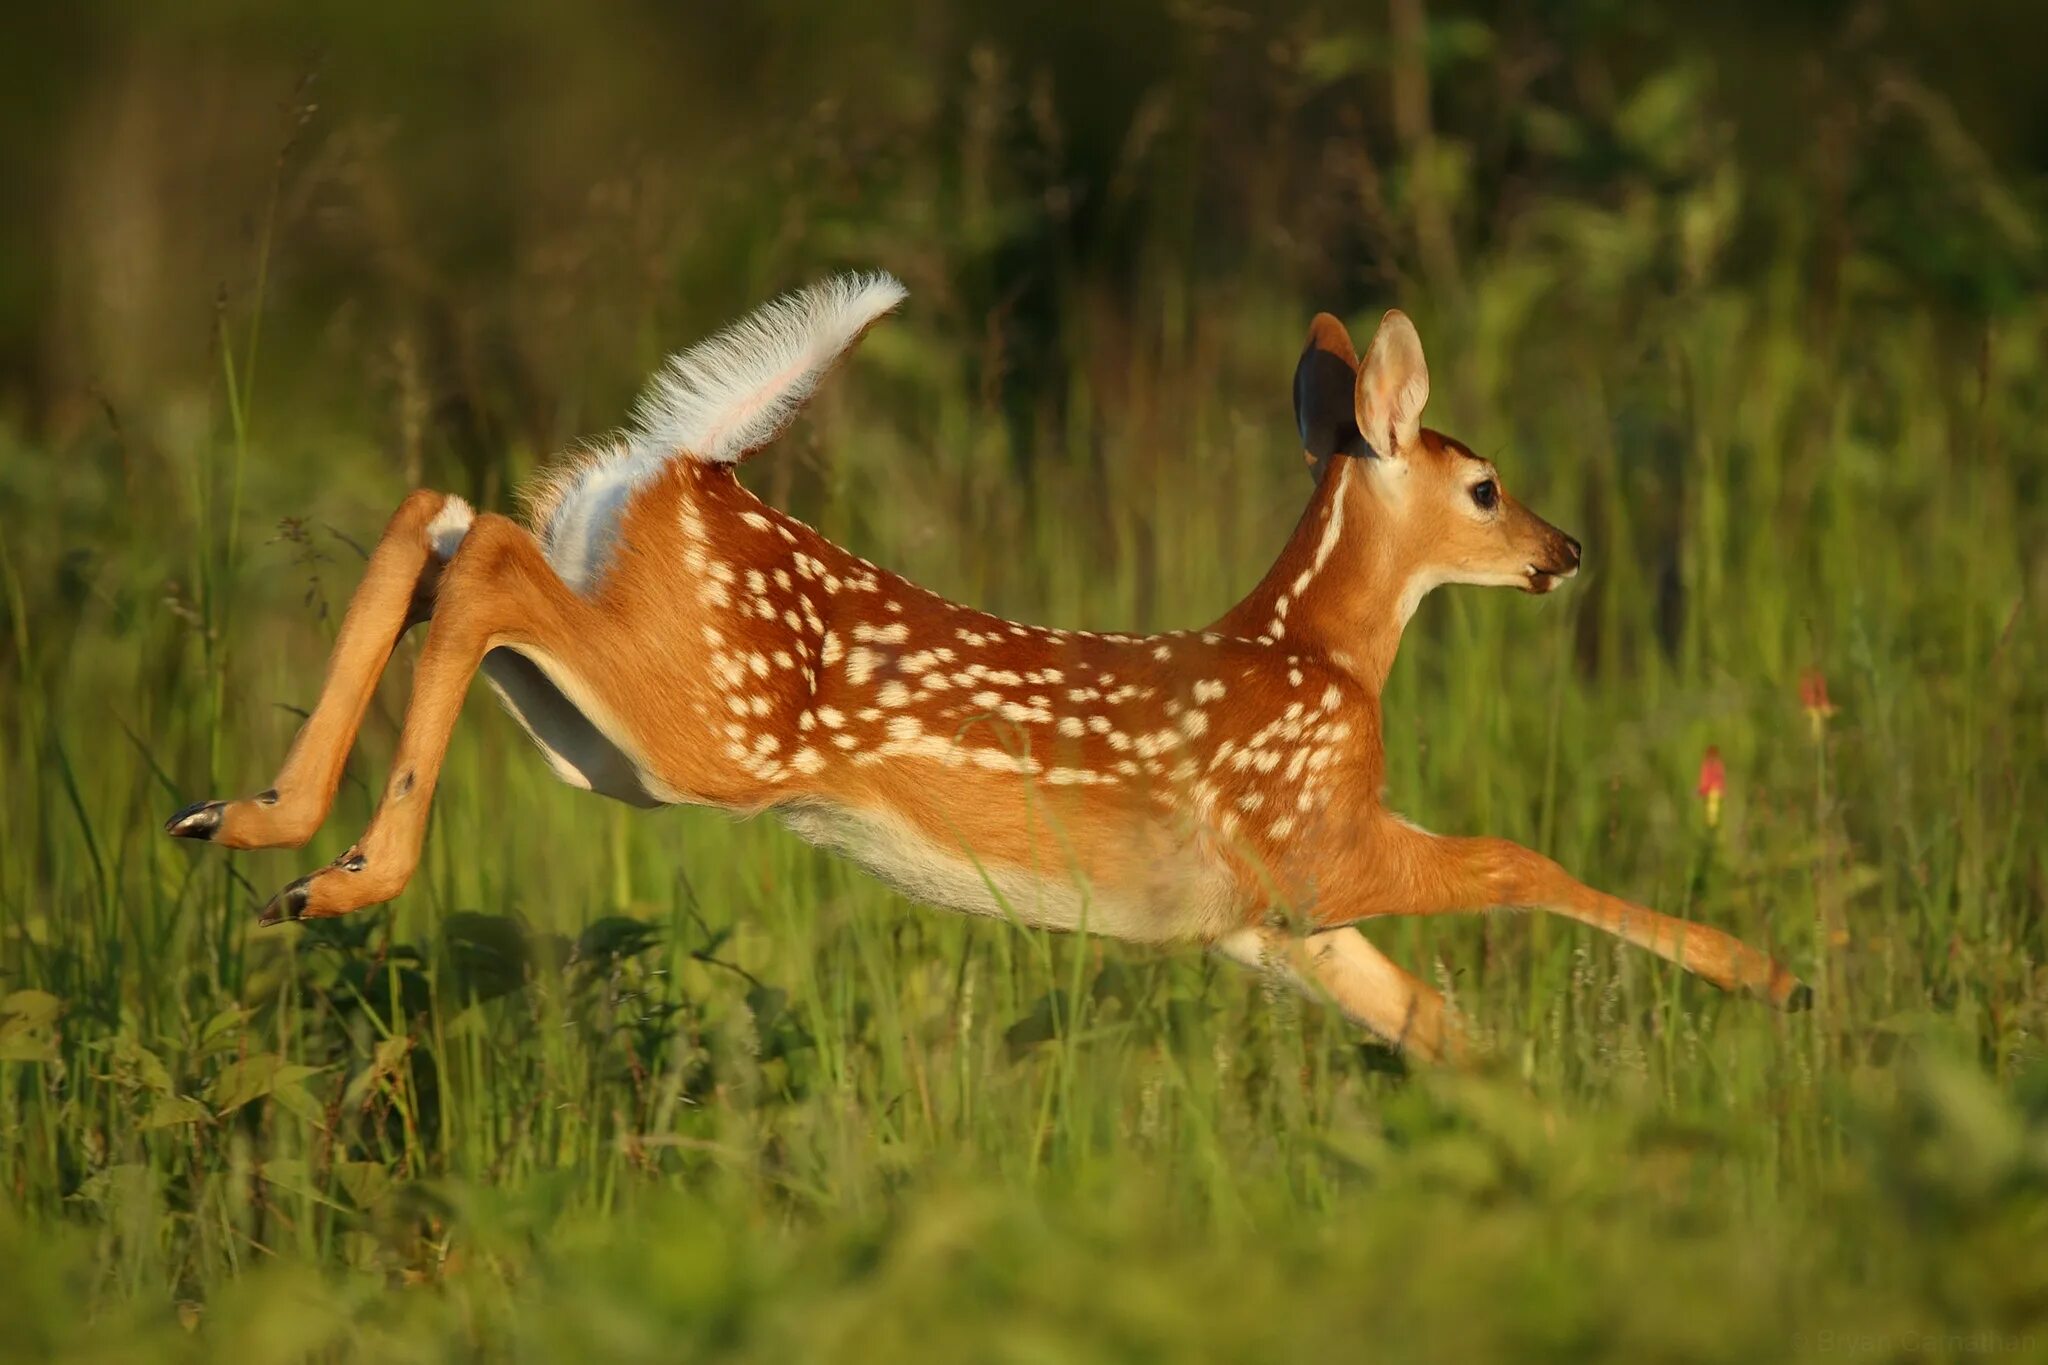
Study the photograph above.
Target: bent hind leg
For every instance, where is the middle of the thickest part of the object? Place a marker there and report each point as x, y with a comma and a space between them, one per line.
498, 591
397, 590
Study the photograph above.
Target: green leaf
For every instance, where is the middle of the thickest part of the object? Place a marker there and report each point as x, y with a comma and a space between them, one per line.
170, 1110
26, 1020
248, 1079
391, 1051
300, 1101
385, 1062
27, 1047
223, 1030
606, 940
254, 1078
291, 1173
28, 1009
366, 1183
137, 1065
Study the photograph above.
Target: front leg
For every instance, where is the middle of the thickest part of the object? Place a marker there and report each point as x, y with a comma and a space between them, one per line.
1370, 989
1418, 873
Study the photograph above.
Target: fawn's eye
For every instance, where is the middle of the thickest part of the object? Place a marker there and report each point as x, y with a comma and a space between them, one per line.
1486, 494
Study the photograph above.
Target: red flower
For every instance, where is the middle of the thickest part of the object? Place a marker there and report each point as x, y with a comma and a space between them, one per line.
1713, 772
1813, 697
1713, 782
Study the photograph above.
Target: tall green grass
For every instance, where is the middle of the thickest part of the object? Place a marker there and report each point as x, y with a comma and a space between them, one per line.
647, 1086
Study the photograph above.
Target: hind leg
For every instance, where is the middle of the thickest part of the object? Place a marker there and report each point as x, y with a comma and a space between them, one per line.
397, 590
497, 590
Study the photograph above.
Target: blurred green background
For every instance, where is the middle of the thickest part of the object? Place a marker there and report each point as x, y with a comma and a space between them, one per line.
1748, 297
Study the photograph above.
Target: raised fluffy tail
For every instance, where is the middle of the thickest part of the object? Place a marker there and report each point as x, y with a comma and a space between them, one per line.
718, 402
726, 397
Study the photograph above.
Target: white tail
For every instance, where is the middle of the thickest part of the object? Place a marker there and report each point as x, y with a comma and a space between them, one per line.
725, 398
669, 638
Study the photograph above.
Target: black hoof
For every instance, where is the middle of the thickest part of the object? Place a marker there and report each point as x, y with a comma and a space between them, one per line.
201, 820
288, 904
1801, 998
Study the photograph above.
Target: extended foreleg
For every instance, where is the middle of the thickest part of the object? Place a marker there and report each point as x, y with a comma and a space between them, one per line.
1369, 987
1425, 874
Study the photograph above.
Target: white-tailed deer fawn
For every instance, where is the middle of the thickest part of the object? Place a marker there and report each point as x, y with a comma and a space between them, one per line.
666, 637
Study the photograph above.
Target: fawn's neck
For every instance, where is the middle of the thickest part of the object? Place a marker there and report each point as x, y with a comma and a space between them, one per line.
1341, 586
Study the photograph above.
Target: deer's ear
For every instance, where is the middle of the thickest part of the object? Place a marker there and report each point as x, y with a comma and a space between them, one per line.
1323, 385
1393, 385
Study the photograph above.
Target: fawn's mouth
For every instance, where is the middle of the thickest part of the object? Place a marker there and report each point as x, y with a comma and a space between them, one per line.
1542, 580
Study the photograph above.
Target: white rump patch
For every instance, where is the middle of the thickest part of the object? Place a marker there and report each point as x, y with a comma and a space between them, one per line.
449, 526
718, 402
726, 397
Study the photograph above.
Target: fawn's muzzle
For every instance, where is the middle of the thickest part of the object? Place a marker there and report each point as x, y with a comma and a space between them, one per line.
1561, 562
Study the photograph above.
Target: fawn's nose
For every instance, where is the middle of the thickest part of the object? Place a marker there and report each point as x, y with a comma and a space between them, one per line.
1572, 564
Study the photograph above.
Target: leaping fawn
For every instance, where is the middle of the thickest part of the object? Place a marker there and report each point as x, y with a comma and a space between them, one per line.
665, 637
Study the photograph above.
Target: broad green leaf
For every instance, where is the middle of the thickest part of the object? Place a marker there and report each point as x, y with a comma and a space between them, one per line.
248, 1079
29, 1009
252, 1078
365, 1182
27, 1047
138, 1065
170, 1110
300, 1101
223, 1029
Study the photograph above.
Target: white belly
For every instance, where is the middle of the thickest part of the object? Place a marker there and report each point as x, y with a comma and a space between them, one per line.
1190, 905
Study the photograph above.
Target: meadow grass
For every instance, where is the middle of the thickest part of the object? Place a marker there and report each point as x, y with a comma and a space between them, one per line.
609, 1084
654, 1084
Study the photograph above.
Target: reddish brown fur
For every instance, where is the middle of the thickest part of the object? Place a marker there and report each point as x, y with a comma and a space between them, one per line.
1221, 786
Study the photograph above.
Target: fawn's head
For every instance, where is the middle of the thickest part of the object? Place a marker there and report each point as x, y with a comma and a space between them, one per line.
1441, 507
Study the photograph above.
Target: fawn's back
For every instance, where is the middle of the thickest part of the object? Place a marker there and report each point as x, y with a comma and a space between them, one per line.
1149, 786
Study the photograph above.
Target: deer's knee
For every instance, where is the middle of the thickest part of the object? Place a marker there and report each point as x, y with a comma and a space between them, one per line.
491, 545
1441, 872
497, 575
1510, 874
414, 511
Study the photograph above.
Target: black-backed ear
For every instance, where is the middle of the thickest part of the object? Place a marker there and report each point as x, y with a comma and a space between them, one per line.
1325, 385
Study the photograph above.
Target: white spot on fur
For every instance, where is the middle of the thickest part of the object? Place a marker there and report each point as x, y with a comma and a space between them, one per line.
1333, 527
